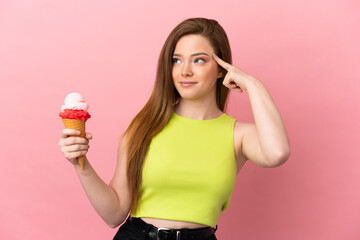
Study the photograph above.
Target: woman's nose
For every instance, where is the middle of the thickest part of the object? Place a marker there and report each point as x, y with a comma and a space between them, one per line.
186, 70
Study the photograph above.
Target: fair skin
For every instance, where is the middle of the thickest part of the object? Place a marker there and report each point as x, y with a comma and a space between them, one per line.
192, 61
265, 143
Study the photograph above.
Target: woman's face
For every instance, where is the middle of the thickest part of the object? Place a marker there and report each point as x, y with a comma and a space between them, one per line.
194, 70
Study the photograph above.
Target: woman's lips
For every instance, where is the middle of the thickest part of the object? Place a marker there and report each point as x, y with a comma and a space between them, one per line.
186, 84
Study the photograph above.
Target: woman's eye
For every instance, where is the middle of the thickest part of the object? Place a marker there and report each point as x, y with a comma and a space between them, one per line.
200, 60
175, 59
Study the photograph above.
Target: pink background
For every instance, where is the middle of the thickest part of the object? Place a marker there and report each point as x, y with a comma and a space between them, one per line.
305, 52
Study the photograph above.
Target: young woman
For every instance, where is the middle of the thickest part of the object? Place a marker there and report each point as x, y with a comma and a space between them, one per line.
178, 158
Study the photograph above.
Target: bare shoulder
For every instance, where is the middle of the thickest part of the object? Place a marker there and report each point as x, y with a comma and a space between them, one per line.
249, 145
241, 127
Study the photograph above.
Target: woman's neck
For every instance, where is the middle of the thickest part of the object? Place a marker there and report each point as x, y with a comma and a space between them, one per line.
197, 109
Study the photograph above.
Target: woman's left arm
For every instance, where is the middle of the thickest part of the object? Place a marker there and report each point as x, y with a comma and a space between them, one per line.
266, 142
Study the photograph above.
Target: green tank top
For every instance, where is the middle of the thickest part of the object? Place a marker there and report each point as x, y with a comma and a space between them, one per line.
189, 171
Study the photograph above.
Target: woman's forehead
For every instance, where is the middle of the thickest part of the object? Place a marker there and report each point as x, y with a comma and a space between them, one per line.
191, 44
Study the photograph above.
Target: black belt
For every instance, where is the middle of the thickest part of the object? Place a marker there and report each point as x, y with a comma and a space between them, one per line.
173, 234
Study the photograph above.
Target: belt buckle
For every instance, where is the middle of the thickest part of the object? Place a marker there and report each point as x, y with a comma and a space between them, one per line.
161, 228
158, 230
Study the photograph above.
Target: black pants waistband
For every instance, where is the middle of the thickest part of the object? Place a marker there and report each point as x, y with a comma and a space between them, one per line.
173, 234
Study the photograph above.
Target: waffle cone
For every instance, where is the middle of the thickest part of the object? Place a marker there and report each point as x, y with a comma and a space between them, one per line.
80, 126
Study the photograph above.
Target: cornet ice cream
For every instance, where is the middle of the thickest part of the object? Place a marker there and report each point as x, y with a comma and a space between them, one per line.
74, 115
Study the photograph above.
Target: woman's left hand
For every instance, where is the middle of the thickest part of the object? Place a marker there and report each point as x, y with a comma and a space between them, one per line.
235, 79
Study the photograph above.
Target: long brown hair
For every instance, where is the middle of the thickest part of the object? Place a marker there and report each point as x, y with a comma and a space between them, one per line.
157, 111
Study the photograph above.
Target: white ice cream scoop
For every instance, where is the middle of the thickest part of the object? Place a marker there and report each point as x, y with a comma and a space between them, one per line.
75, 101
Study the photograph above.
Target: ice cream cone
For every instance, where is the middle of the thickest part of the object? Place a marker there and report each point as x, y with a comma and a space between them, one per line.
80, 126
74, 115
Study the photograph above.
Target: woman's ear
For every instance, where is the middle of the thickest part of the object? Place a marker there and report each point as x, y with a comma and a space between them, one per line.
219, 74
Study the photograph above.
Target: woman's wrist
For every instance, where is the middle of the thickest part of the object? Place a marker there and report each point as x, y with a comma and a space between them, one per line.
87, 167
253, 83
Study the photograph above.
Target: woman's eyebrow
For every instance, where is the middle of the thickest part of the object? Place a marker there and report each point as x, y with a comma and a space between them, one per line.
195, 54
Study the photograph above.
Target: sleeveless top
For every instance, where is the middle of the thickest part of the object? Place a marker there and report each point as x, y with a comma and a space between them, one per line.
189, 171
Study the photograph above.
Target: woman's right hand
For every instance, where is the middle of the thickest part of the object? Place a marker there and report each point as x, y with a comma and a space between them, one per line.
72, 146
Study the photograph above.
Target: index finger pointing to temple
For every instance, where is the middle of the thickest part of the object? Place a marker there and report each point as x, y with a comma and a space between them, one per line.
221, 62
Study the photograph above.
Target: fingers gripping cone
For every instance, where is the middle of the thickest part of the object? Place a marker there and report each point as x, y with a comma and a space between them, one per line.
80, 126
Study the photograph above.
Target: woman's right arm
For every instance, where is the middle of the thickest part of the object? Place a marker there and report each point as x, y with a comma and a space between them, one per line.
111, 201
